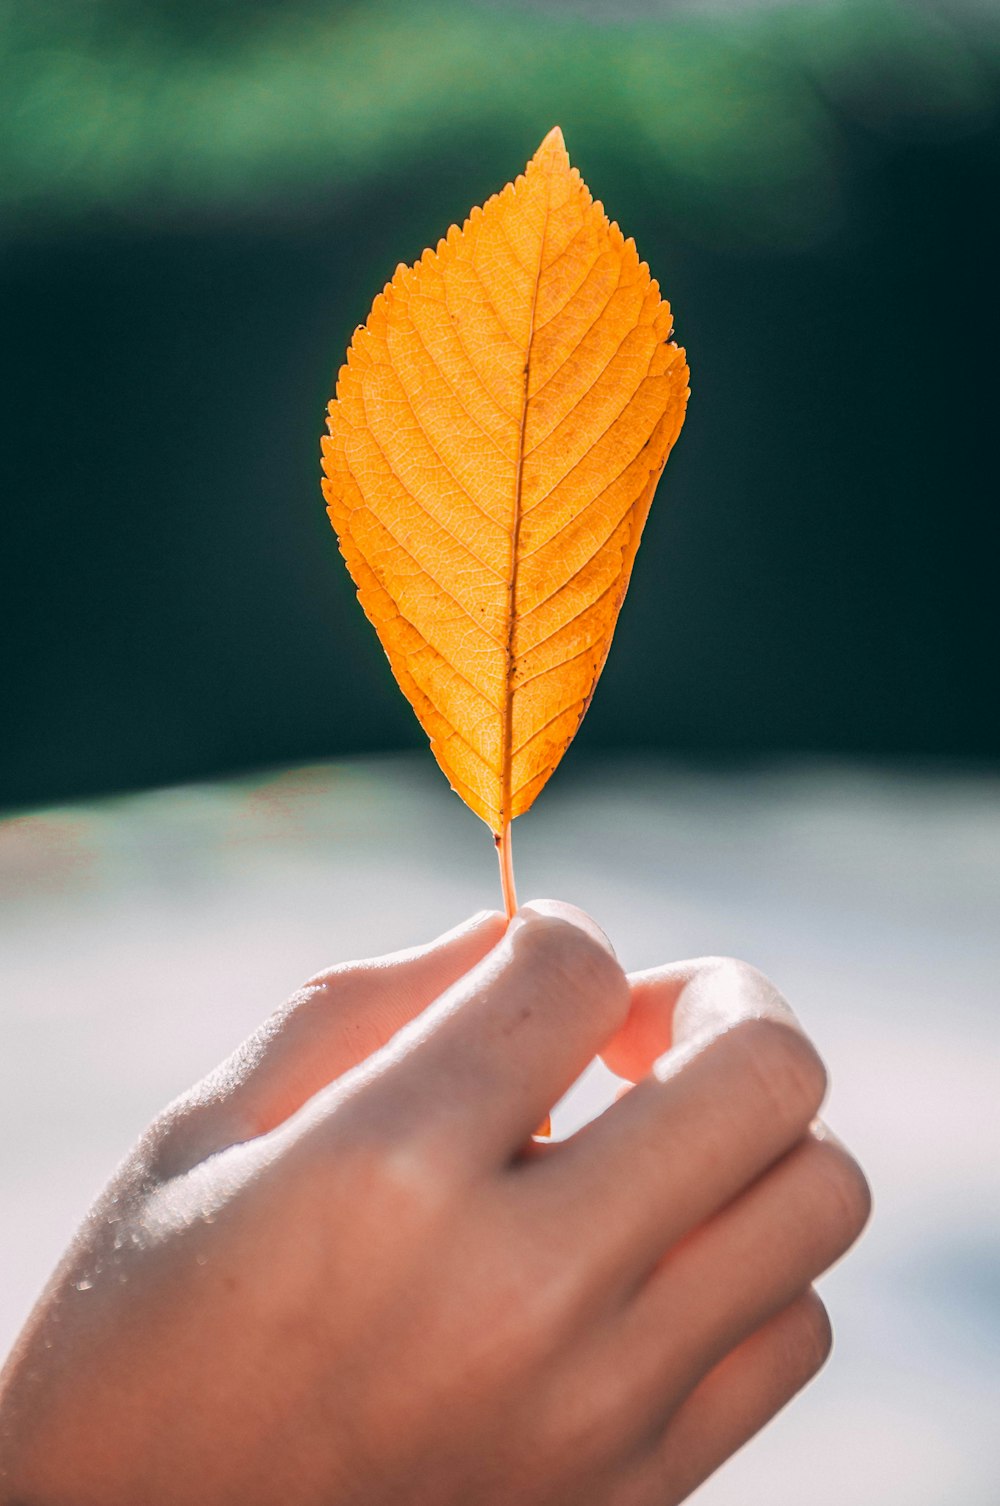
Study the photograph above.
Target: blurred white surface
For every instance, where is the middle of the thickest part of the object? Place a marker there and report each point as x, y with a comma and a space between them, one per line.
141, 938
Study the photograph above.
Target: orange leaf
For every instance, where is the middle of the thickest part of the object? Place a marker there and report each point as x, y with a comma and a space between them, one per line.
497, 436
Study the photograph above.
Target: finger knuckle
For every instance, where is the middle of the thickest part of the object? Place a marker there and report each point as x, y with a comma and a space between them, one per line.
586, 1422
785, 1067
397, 1180
518, 1326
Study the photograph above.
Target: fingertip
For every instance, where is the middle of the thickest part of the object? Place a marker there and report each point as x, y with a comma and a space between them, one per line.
854, 1189
557, 909
621, 1058
648, 1029
818, 1333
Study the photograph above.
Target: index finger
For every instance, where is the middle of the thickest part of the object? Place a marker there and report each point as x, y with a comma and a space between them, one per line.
737, 1091
478, 1071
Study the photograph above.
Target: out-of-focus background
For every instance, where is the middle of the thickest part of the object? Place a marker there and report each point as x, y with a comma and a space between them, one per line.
198, 201
793, 754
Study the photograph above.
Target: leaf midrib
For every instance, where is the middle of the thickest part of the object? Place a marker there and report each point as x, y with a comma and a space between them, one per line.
506, 751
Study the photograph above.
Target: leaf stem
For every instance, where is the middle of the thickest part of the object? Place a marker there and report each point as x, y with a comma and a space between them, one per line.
504, 853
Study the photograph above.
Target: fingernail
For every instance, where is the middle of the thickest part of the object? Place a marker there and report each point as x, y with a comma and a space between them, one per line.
557, 909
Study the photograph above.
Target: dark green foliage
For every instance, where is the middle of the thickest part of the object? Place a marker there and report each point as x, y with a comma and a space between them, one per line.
196, 200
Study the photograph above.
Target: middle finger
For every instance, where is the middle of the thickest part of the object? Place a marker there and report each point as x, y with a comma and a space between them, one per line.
683, 1143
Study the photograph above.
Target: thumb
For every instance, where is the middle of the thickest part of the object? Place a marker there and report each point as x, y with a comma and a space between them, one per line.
671, 1005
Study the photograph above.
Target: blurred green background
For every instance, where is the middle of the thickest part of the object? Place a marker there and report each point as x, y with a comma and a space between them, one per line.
198, 201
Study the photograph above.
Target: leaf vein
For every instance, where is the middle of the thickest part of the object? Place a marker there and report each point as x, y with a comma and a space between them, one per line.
577, 516
619, 285
587, 607
603, 435
592, 381
547, 269
436, 367
432, 578
590, 389
436, 653
412, 495
455, 733
492, 306
579, 287
598, 550
526, 743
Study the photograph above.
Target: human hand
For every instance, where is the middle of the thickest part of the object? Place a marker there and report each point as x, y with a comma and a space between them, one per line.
338, 1271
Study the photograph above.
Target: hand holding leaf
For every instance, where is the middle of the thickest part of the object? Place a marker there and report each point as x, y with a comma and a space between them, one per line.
497, 435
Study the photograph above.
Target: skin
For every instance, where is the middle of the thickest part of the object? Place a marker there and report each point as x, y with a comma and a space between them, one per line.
340, 1271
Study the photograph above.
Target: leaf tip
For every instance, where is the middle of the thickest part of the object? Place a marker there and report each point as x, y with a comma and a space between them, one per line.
553, 147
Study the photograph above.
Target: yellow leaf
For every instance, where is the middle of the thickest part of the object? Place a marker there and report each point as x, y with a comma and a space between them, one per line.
497, 435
